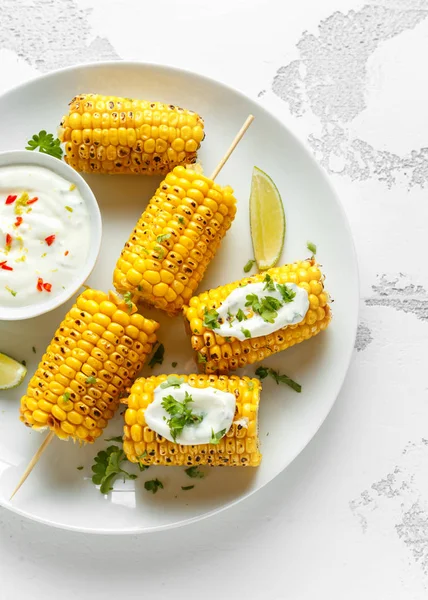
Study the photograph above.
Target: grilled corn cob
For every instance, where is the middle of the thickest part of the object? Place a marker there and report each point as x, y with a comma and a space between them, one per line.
172, 244
220, 354
239, 447
95, 353
109, 134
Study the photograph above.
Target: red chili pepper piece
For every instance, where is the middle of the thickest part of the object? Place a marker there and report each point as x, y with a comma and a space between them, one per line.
18, 221
32, 200
11, 199
50, 239
66, 253
8, 241
40, 284
5, 267
47, 286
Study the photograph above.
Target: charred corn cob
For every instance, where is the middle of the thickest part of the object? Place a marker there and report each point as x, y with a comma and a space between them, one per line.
238, 447
224, 354
176, 237
95, 353
110, 134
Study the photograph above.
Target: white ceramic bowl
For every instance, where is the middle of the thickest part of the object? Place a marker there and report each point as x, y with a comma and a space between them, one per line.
27, 157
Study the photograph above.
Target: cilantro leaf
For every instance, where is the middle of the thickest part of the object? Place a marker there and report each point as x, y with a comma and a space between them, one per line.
287, 294
269, 283
211, 319
246, 332
249, 265
216, 437
263, 372
312, 248
201, 358
194, 473
172, 381
79, 468
181, 414
187, 487
250, 385
46, 143
174, 364
181, 220
91, 379
157, 358
159, 250
107, 466
241, 316
115, 438
127, 296
163, 237
66, 396
153, 485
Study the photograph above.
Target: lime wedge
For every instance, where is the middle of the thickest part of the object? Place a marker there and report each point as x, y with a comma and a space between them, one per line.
12, 373
267, 220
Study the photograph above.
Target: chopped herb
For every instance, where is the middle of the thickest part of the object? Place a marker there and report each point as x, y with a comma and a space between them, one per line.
68, 208
250, 385
153, 485
201, 358
43, 255
266, 308
246, 332
115, 438
241, 316
127, 296
46, 143
142, 455
79, 468
142, 467
228, 339
181, 220
211, 319
160, 251
23, 362
91, 379
312, 248
172, 381
187, 487
139, 288
66, 396
10, 290
194, 473
34, 349
157, 358
269, 283
287, 294
72, 187
173, 365
263, 372
216, 437
163, 237
181, 414
249, 265
107, 467
21, 203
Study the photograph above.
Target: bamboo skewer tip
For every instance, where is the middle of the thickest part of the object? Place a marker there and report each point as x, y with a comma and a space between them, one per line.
232, 146
34, 461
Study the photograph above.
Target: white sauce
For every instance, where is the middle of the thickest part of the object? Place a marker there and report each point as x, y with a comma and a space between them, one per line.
289, 314
216, 406
29, 255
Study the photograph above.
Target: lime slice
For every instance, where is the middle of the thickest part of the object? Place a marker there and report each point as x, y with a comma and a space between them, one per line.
12, 373
267, 220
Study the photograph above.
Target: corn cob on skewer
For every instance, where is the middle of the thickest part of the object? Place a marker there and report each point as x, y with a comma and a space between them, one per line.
176, 237
223, 355
110, 134
95, 353
239, 447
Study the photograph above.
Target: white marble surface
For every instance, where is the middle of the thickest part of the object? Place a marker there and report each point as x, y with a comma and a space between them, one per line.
349, 518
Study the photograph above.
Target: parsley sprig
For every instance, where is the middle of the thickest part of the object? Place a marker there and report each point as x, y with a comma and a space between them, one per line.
249, 265
181, 414
127, 297
216, 437
46, 143
211, 319
157, 358
107, 467
263, 372
194, 473
172, 381
153, 485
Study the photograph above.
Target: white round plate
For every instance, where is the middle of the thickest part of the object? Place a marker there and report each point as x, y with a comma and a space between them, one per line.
59, 494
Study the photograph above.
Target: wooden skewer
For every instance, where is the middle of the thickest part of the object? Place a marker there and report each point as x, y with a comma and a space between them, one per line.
232, 146
34, 461
217, 170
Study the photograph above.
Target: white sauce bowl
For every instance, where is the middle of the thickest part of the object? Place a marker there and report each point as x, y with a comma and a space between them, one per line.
35, 158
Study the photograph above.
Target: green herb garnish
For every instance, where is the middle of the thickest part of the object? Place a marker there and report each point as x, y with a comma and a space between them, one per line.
163, 237
266, 308
246, 332
46, 143
250, 386
160, 251
116, 438
10, 290
107, 467
216, 437
91, 379
249, 265
34, 349
211, 319
127, 296
241, 316
287, 294
201, 358
263, 372
174, 364
79, 468
269, 283
66, 396
157, 358
181, 220
181, 414
187, 487
24, 363
68, 208
194, 473
153, 485
312, 248
172, 381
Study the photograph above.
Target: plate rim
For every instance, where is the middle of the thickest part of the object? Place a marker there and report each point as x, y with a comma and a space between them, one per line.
335, 196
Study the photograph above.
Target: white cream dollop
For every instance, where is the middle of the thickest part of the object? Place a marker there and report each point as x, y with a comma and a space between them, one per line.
290, 313
215, 406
